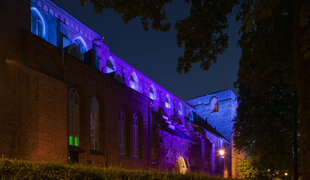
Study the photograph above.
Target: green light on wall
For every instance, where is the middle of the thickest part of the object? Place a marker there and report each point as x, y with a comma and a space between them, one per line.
70, 140
76, 141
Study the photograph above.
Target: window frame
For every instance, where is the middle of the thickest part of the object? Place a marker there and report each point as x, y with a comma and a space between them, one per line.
121, 132
94, 124
73, 119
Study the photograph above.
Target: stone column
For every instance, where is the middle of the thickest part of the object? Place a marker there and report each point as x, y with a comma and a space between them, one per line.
202, 155
213, 158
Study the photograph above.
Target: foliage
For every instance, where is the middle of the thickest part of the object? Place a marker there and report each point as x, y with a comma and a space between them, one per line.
19, 169
145, 10
249, 171
201, 34
267, 112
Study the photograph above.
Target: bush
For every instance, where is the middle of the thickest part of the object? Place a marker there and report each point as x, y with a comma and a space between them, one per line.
20, 169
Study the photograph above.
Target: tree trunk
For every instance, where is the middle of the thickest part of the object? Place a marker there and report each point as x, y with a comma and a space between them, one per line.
302, 68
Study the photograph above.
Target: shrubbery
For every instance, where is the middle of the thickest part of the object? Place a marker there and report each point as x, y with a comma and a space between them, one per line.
20, 169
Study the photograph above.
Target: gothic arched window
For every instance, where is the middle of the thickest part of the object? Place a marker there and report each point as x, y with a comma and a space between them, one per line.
79, 41
121, 132
134, 81
214, 105
135, 139
152, 93
167, 102
38, 24
94, 124
73, 118
110, 66
180, 109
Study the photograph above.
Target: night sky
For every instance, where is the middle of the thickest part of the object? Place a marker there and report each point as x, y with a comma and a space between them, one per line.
155, 54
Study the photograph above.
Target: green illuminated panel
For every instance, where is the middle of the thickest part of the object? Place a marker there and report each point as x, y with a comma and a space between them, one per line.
70, 140
76, 141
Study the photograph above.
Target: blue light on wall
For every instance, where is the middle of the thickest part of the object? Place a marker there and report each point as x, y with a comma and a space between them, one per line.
79, 41
191, 116
38, 23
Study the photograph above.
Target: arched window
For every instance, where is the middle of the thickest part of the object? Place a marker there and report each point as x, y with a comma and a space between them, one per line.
73, 118
110, 67
38, 24
180, 109
214, 105
121, 132
135, 140
94, 124
167, 102
79, 41
134, 81
152, 92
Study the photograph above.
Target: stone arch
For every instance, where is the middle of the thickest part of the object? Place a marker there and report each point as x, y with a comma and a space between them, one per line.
127, 131
180, 165
167, 101
38, 22
110, 65
153, 92
134, 81
79, 41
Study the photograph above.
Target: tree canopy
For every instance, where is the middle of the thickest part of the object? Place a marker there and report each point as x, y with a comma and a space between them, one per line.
267, 110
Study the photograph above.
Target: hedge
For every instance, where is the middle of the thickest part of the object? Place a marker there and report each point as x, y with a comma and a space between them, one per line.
21, 169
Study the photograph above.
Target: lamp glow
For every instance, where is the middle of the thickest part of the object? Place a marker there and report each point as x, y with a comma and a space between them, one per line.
221, 152
286, 174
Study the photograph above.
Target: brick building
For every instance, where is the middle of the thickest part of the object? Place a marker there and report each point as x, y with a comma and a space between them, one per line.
66, 98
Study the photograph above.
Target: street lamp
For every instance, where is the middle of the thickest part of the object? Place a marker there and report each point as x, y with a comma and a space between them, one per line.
222, 153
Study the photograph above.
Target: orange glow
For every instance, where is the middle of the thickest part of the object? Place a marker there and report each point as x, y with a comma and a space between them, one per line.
221, 152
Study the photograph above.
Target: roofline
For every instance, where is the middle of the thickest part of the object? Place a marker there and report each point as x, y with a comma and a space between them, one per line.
210, 94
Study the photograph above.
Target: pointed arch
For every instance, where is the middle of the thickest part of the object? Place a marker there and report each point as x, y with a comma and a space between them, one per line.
152, 92
180, 109
94, 124
73, 124
79, 41
135, 133
168, 101
38, 23
214, 104
110, 65
134, 81
121, 133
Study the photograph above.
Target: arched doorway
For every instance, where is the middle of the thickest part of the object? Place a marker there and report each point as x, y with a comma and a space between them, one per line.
180, 165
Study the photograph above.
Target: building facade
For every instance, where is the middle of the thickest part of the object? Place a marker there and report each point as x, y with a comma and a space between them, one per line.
66, 98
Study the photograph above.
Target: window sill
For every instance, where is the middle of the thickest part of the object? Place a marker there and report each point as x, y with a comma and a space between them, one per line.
96, 152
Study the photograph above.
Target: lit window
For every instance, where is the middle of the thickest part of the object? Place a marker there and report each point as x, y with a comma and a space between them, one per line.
214, 104
152, 93
168, 102
109, 66
135, 136
38, 25
134, 81
94, 124
73, 118
121, 132
180, 109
